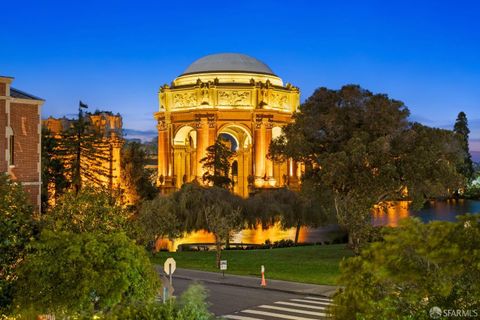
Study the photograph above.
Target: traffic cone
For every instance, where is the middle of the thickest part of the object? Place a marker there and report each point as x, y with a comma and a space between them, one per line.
264, 282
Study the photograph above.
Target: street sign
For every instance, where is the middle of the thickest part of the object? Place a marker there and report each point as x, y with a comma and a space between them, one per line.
169, 266
223, 265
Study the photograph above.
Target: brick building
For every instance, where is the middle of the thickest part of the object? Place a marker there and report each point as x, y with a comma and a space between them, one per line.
20, 138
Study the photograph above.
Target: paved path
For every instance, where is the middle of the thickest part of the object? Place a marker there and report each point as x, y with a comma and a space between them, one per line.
254, 282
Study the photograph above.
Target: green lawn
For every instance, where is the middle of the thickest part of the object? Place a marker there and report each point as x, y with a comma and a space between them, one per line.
310, 264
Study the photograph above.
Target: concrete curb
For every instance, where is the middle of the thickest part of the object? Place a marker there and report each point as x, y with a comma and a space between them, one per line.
247, 282
327, 294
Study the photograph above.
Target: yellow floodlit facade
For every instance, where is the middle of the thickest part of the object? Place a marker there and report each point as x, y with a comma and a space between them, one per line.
232, 95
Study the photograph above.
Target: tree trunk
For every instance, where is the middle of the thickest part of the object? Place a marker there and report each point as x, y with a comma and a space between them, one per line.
297, 232
354, 242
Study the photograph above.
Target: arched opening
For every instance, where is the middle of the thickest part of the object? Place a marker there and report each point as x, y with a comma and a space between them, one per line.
240, 140
184, 155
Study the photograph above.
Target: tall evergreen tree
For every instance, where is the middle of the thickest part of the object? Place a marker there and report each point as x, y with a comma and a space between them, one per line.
217, 164
84, 151
53, 170
461, 128
136, 178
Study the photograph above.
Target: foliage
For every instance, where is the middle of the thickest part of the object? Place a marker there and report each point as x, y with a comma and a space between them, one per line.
159, 218
69, 273
292, 209
462, 130
54, 180
136, 178
192, 198
88, 211
191, 305
217, 165
17, 229
222, 220
359, 150
416, 267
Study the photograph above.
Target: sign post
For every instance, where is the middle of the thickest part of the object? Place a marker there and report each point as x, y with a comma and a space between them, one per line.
223, 266
169, 267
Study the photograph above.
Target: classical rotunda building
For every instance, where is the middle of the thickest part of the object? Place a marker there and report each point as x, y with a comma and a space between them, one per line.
230, 95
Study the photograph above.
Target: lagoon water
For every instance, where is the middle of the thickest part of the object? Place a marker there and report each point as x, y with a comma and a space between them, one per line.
439, 210
435, 210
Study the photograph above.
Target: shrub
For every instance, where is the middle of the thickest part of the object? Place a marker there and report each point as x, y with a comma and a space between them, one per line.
83, 274
416, 267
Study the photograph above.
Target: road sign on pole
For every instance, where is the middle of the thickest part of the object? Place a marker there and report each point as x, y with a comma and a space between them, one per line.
169, 267
223, 265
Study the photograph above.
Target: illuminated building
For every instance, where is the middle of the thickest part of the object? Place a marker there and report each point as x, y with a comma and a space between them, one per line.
237, 97
20, 142
104, 168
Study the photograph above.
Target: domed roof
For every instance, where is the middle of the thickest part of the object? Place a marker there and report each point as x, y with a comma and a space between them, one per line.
228, 62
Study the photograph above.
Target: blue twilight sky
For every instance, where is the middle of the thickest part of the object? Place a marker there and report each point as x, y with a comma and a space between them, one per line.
114, 55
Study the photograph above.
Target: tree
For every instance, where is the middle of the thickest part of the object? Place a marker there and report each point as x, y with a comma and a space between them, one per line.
217, 165
222, 220
84, 151
17, 229
291, 209
135, 177
91, 210
87, 273
159, 218
462, 130
417, 266
360, 148
54, 180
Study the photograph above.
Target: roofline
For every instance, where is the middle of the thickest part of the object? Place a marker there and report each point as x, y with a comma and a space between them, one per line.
228, 71
31, 96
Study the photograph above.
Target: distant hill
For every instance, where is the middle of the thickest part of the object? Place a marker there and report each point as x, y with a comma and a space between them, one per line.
144, 136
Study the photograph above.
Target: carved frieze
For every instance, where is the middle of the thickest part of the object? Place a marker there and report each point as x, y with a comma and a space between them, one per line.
234, 98
279, 100
184, 99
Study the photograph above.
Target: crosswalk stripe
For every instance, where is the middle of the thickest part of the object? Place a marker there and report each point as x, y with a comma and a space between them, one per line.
276, 315
301, 305
311, 301
310, 313
319, 299
235, 317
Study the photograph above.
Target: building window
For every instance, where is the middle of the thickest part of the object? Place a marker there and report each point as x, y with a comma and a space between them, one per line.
11, 149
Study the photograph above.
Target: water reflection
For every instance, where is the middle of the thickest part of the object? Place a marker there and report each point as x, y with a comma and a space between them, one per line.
258, 235
390, 216
434, 210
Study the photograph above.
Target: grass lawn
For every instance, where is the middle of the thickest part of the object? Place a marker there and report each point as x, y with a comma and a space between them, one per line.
311, 264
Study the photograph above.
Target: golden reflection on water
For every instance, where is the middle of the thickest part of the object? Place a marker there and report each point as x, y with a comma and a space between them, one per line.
257, 235
391, 214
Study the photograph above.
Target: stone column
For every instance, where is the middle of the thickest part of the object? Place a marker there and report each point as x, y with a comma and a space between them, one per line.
268, 140
202, 144
260, 136
163, 152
